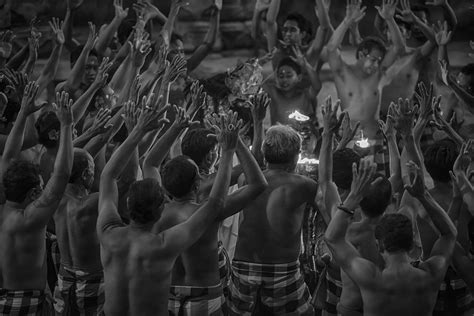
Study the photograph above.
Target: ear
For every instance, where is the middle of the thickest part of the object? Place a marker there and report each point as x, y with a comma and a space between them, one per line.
53, 134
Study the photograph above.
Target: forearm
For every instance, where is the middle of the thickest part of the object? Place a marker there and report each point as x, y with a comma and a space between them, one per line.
253, 174
167, 29
30, 64
394, 161
105, 38
451, 16
337, 228
50, 69
95, 145
119, 78
438, 216
221, 183
15, 138
454, 210
325, 158
258, 142
338, 36
204, 49
379, 26
314, 79
80, 106
411, 150
83, 139
396, 35
16, 61
75, 76
355, 38
160, 150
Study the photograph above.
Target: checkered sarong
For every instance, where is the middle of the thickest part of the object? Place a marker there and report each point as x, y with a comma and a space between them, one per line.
333, 294
281, 288
21, 303
196, 301
78, 292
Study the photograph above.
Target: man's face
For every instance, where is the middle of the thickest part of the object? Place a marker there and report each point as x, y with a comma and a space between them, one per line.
291, 33
287, 78
91, 67
371, 62
176, 48
464, 81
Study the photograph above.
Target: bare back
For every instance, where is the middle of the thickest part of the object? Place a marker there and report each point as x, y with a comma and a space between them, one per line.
271, 228
22, 252
75, 222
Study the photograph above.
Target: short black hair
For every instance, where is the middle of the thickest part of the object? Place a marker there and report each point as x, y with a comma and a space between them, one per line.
342, 160
76, 52
303, 24
145, 201
377, 198
369, 44
395, 232
439, 159
197, 144
19, 178
79, 164
179, 176
468, 70
287, 61
47, 122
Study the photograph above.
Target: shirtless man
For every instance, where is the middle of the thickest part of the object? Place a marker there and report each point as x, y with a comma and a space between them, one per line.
196, 285
383, 290
138, 263
25, 214
359, 85
361, 232
269, 241
80, 278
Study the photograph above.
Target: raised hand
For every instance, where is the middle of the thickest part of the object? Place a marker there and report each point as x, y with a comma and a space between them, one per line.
354, 12
388, 9
135, 90
362, 179
227, 127
175, 69
56, 26
425, 100
146, 10
197, 100
140, 48
6, 39
92, 38
348, 133
120, 13
416, 185
258, 105
464, 158
150, 117
63, 108
326, 4
102, 75
331, 123
16, 81
33, 46
442, 35
183, 120
160, 58
130, 115
29, 96
300, 58
439, 121
406, 14
404, 116
101, 123
443, 64
3, 106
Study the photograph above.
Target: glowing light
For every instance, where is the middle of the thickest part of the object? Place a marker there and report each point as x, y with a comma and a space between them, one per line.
307, 161
298, 116
363, 142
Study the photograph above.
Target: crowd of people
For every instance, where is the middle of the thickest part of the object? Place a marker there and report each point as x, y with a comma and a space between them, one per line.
115, 187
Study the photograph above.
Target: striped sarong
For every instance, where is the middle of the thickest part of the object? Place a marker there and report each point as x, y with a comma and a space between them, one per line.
21, 303
196, 301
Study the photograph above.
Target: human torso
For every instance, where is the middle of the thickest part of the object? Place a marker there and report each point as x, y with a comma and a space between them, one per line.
23, 254
269, 233
75, 222
283, 105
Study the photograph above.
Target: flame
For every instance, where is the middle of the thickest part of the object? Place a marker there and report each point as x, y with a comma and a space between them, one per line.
363, 142
298, 116
309, 161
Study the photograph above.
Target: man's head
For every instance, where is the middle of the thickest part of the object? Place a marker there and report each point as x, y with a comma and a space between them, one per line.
342, 161
145, 201
295, 29
394, 233
91, 66
176, 46
104, 98
22, 182
180, 177
370, 54
465, 78
405, 29
82, 168
201, 148
288, 74
439, 159
282, 145
48, 129
378, 197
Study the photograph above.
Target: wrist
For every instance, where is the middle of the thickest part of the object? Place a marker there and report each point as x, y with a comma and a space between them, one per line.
352, 201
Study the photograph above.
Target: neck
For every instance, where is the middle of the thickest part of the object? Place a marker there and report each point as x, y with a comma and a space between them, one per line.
190, 197
141, 227
288, 167
77, 189
372, 221
14, 205
396, 259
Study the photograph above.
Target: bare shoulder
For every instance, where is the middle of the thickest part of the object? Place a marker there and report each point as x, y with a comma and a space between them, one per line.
115, 238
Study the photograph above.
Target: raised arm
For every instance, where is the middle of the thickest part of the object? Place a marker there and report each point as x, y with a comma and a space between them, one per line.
146, 119
106, 36
40, 211
149, 12
354, 14
256, 183
51, 67
167, 29
185, 234
447, 10
346, 256
387, 12
258, 107
461, 165
312, 72
394, 154
205, 48
5, 46
272, 26
325, 29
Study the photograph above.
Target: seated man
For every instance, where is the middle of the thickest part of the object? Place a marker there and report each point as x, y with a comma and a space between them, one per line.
138, 263
269, 241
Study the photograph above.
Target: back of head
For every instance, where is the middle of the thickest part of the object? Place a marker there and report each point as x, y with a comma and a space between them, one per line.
287, 61
439, 159
369, 44
179, 176
282, 145
378, 197
342, 161
80, 164
19, 178
145, 201
395, 233
46, 125
197, 145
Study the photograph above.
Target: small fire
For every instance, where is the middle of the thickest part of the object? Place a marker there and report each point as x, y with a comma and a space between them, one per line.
298, 116
363, 142
308, 161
